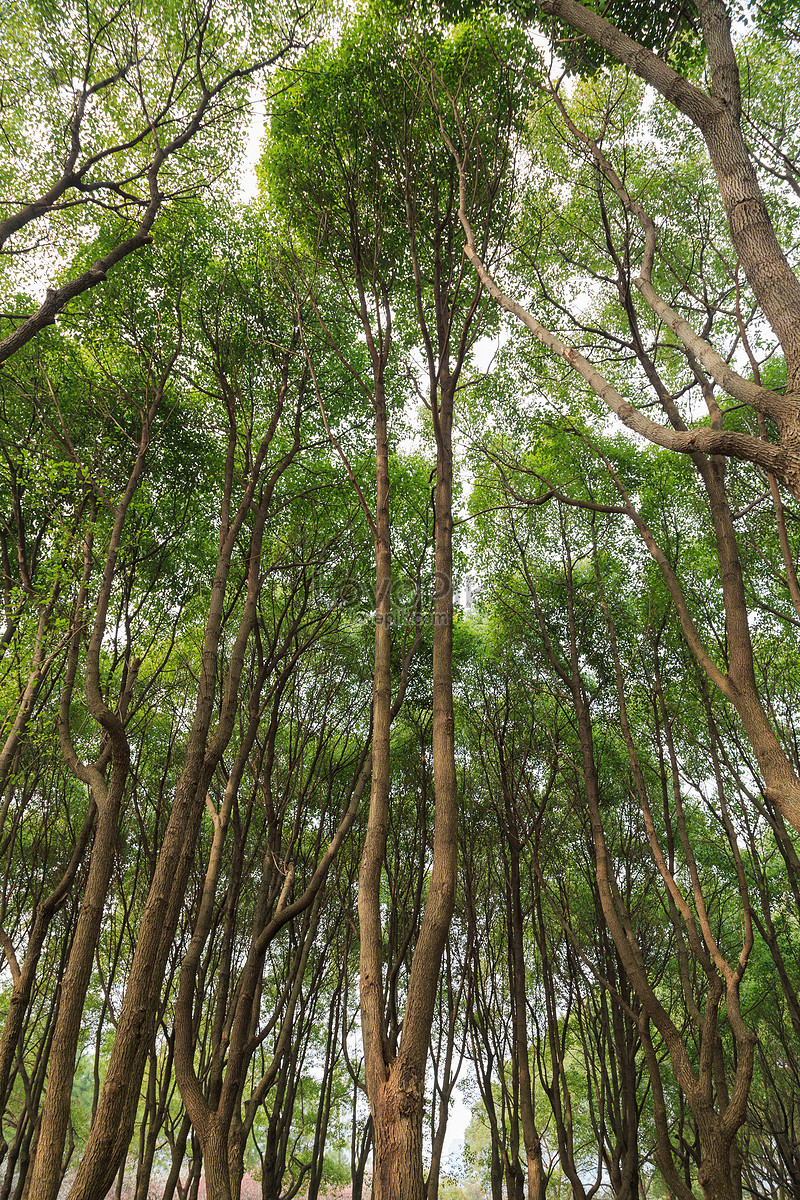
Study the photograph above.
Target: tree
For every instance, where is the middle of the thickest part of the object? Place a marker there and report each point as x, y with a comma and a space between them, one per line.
107, 115
229, 609
706, 370
383, 190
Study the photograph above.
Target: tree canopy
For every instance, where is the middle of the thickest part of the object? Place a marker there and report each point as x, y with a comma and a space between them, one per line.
400, 601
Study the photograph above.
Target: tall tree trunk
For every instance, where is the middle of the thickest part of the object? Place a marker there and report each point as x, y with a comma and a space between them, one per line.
395, 1085
373, 1030
537, 1180
45, 1177
46, 1172
216, 1167
116, 1110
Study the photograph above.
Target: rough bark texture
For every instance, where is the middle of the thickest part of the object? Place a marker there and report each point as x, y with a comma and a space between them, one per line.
397, 1121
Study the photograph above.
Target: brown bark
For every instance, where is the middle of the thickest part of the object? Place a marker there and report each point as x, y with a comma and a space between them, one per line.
373, 1030
537, 1179
395, 1085
116, 1111
107, 797
718, 1114
397, 1136
23, 977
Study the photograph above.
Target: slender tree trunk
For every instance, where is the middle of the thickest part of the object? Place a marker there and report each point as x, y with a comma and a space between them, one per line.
395, 1086
446, 1077
176, 1162
116, 1111
23, 981
530, 1135
45, 1177
46, 1172
376, 1051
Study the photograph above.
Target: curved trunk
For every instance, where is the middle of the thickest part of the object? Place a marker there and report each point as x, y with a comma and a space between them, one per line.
115, 1117
717, 116
45, 1177
23, 983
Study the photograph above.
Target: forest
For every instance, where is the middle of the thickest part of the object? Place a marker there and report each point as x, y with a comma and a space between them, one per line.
399, 538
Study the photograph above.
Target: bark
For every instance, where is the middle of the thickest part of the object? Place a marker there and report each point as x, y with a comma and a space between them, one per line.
718, 1115
395, 1085
45, 1176
373, 1031
46, 1173
405, 1081
116, 1110
537, 1179
397, 1136
216, 1166
23, 977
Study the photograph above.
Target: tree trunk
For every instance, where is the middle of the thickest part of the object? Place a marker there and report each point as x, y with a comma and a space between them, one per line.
718, 1174
717, 116
216, 1167
45, 1178
397, 1120
530, 1135
116, 1110
395, 1086
373, 1029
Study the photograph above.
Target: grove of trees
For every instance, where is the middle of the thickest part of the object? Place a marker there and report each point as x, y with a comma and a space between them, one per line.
400, 600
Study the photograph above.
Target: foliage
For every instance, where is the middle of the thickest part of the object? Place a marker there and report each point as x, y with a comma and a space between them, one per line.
187, 475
